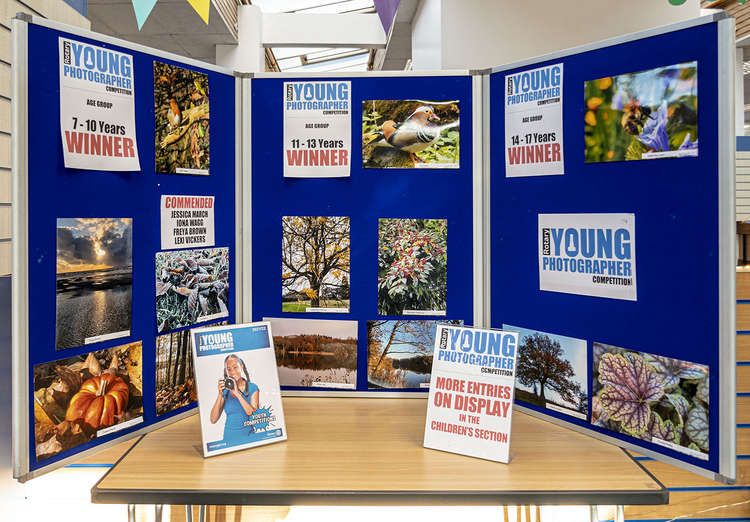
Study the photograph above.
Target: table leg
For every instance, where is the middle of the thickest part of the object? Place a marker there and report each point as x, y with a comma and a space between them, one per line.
131, 512
620, 514
202, 514
188, 513
594, 513
158, 508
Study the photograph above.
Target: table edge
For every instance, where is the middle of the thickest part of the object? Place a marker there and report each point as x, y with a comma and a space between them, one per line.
377, 498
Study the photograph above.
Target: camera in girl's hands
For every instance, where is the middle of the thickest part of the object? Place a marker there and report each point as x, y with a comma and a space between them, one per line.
229, 384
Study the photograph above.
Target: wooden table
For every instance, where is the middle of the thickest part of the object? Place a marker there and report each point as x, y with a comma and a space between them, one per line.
344, 451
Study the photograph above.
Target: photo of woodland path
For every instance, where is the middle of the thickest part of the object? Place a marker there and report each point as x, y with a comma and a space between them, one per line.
651, 397
175, 377
551, 371
78, 397
315, 352
652, 113
181, 120
94, 280
409, 134
399, 353
314, 263
412, 266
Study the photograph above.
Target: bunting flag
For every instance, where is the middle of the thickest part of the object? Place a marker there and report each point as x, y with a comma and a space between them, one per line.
202, 7
143, 8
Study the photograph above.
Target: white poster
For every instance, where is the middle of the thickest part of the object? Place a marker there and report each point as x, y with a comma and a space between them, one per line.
97, 111
470, 406
239, 399
187, 221
317, 129
588, 254
533, 122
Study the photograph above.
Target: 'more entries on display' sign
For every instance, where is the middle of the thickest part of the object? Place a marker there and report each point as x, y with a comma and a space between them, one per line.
588, 254
533, 122
317, 129
187, 221
239, 399
97, 110
471, 393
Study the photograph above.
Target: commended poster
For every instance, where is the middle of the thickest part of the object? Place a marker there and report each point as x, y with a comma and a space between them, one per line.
470, 406
239, 399
533, 122
187, 221
588, 254
317, 129
97, 110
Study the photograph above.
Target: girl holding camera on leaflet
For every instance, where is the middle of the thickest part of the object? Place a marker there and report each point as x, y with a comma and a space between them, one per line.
238, 397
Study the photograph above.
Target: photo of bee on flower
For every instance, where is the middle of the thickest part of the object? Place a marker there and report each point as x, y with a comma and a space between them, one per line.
181, 120
644, 115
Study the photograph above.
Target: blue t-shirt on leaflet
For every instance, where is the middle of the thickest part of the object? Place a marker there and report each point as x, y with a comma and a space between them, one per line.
234, 430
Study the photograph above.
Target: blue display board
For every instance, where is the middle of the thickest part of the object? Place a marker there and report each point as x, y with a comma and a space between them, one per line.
55, 192
679, 230
368, 195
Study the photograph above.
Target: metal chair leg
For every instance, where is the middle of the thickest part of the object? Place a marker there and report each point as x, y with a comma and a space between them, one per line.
188, 513
202, 514
158, 508
594, 510
620, 514
131, 512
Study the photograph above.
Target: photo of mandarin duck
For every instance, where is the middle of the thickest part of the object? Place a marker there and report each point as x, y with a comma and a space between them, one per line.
412, 134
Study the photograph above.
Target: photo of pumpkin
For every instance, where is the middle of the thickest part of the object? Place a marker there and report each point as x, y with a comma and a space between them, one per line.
75, 399
98, 401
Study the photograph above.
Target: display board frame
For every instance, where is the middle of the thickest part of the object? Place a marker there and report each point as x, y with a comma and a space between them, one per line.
22, 424
725, 234
477, 167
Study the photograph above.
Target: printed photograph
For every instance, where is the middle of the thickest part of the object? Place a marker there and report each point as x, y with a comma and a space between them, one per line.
94, 280
551, 371
407, 134
315, 352
653, 398
181, 120
315, 264
87, 396
643, 115
399, 353
175, 377
412, 266
192, 286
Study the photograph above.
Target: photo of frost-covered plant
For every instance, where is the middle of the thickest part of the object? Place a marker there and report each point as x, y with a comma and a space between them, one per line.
412, 266
192, 286
405, 134
644, 115
181, 120
651, 397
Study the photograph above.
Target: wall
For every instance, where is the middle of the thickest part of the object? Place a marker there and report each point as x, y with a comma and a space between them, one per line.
476, 34
54, 10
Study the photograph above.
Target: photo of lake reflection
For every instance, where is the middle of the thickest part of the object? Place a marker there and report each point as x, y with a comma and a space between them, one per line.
399, 353
315, 353
93, 280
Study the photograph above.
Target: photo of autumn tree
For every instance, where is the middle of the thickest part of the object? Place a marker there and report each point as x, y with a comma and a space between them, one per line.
315, 352
412, 266
651, 397
175, 377
315, 264
80, 398
642, 115
181, 120
551, 371
399, 353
